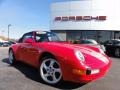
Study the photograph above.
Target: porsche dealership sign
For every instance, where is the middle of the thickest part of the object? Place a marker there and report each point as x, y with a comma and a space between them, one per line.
80, 18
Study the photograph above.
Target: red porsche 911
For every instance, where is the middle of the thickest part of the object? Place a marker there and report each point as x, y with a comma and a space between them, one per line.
58, 60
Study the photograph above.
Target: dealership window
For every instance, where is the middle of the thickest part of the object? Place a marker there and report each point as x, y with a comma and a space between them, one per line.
72, 35
77, 35
99, 36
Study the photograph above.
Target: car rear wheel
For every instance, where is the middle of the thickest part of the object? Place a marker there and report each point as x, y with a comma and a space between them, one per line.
11, 57
50, 71
117, 52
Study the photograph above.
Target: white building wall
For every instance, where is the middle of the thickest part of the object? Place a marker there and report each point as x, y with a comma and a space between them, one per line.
109, 8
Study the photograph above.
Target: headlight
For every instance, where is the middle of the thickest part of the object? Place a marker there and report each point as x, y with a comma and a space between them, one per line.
79, 55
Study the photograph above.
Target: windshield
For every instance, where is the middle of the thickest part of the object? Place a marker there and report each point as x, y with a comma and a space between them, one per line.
52, 36
46, 36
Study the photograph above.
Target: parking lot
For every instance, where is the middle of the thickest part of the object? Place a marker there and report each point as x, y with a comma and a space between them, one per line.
23, 77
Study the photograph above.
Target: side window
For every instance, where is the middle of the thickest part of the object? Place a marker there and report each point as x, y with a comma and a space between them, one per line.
41, 37
25, 36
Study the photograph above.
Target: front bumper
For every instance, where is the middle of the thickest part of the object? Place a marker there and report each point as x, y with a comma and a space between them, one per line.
85, 76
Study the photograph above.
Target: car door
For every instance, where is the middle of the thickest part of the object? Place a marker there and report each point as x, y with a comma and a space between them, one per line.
22, 52
30, 53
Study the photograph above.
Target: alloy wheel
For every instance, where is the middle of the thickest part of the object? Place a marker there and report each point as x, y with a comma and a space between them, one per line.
50, 71
11, 57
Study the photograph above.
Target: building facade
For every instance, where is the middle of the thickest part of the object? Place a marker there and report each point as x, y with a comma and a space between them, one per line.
93, 19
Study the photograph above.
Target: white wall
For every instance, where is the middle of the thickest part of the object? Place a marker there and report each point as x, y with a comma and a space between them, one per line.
109, 8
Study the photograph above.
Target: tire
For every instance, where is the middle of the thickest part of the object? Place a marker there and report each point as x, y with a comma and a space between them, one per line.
50, 71
11, 57
117, 52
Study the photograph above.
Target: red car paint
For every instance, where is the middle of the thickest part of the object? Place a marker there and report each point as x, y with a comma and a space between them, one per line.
30, 53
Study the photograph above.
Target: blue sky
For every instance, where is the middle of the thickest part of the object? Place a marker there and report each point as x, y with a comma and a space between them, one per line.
24, 16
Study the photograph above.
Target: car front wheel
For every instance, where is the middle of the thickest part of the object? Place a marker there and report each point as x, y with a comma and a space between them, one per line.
50, 71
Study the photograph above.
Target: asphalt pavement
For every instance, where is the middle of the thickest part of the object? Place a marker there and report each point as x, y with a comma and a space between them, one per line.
24, 77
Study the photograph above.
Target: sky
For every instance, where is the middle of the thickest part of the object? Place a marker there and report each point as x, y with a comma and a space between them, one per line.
24, 16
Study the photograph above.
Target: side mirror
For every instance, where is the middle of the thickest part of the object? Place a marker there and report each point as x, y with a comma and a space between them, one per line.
29, 40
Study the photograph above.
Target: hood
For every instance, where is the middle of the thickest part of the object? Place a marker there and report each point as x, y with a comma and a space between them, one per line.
92, 58
95, 47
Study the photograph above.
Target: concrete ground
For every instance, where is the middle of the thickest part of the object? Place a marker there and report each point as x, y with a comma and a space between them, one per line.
23, 77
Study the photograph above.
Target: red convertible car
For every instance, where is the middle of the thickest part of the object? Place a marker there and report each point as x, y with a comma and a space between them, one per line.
58, 60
